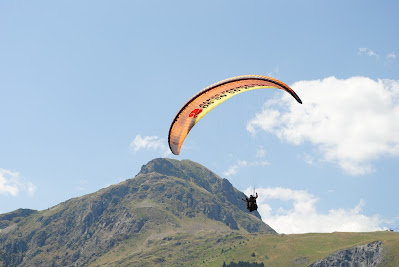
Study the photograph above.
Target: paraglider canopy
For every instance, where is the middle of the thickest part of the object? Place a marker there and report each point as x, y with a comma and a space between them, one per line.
207, 99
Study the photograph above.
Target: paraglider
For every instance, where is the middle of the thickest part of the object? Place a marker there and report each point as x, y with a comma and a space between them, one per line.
251, 202
210, 97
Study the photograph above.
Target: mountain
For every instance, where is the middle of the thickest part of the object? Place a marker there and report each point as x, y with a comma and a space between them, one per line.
167, 199
175, 213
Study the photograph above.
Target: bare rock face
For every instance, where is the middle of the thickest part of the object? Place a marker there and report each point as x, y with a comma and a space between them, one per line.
361, 256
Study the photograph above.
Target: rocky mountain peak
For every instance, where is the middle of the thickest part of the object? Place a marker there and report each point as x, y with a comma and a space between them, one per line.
167, 195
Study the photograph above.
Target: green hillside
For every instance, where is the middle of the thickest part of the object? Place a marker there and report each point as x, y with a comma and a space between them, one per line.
214, 249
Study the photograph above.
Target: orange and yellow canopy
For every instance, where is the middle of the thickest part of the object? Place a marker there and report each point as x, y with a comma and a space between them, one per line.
207, 99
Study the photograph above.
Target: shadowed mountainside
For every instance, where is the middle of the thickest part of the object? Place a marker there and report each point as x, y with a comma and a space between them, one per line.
167, 196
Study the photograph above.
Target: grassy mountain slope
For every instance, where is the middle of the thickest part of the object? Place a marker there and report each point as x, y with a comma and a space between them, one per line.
303, 249
214, 249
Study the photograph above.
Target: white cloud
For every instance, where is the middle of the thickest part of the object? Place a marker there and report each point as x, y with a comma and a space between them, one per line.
150, 143
303, 217
232, 170
82, 185
351, 122
261, 152
367, 52
274, 72
307, 158
370, 53
11, 183
391, 56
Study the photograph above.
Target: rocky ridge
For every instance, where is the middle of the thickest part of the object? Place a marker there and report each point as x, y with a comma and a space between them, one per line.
368, 255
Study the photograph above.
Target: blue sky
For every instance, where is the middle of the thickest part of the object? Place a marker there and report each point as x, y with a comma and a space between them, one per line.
88, 91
